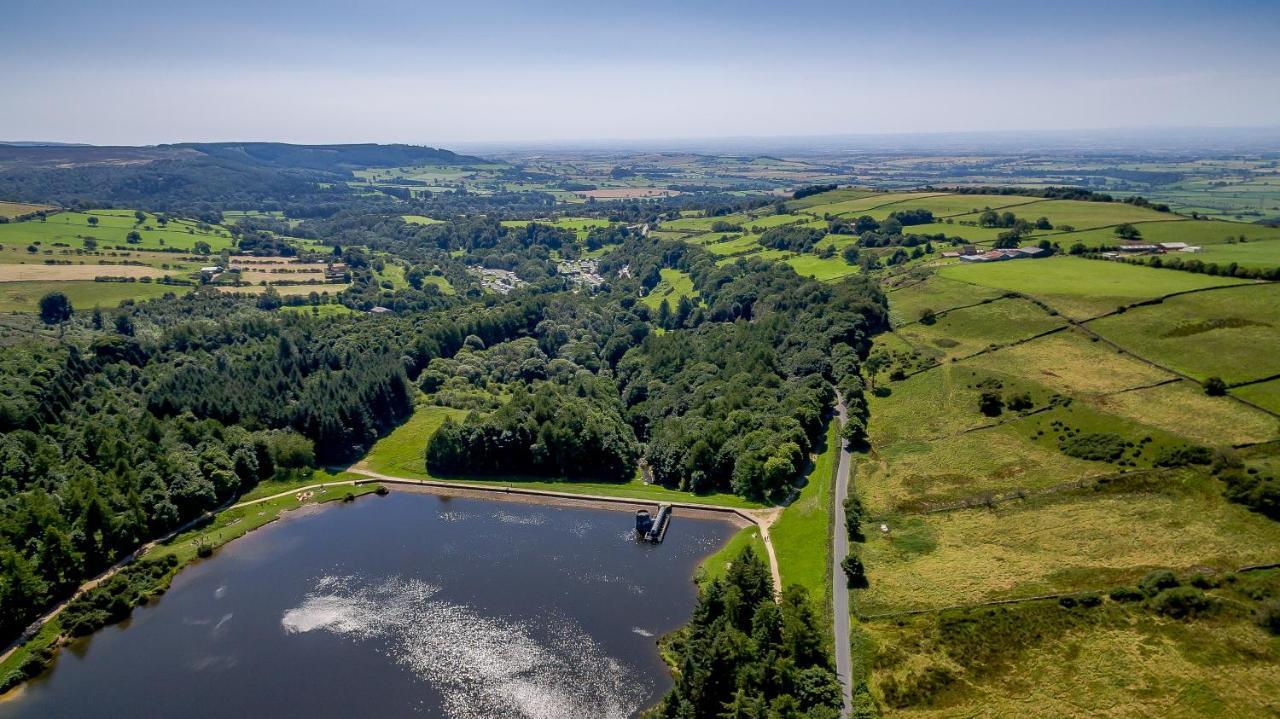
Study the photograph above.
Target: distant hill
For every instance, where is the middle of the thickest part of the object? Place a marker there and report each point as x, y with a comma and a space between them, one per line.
330, 157
200, 177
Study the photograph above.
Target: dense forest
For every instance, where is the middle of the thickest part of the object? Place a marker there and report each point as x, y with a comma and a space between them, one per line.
745, 656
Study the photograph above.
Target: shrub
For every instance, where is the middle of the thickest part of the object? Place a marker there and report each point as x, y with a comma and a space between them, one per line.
1097, 446
1215, 387
1180, 602
204, 551
991, 404
1158, 581
1183, 455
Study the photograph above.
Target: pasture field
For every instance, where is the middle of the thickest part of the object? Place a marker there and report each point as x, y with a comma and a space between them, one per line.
1071, 541
738, 245
764, 254
914, 475
1071, 363
1264, 254
940, 403
65, 273
1263, 394
18, 209
1081, 215
421, 220
72, 228
768, 221
325, 310
83, 294
703, 224
822, 269
842, 194
864, 205
936, 293
1228, 333
1081, 288
1112, 660
957, 204
800, 536
965, 331
970, 233
1184, 409
580, 225
674, 285
626, 193
1192, 232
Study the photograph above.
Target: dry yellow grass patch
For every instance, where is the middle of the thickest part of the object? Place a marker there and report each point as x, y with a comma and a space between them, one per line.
1072, 364
1184, 409
55, 273
1143, 670
1082, 542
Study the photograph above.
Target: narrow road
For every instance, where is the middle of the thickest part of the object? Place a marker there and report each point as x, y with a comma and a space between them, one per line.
839, 585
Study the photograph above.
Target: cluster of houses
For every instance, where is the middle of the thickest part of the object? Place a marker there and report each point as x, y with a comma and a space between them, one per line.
583, 273
1158, 248
969, 253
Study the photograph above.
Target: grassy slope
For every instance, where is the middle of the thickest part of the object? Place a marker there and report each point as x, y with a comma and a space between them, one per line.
1081, 288
84, 294
1073, 539
800, 535
1229, 333
113, 226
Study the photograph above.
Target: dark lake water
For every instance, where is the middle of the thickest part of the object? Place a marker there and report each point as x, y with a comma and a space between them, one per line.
405, 605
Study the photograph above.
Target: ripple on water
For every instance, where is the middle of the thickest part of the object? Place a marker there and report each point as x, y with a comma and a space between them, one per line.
482, 666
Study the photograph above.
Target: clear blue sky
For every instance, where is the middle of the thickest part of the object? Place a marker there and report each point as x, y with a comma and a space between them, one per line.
472, 71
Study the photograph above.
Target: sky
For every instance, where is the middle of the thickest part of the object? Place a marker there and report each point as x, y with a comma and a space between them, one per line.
475, 71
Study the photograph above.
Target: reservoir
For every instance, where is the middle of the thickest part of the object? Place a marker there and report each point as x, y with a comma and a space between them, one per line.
404, 605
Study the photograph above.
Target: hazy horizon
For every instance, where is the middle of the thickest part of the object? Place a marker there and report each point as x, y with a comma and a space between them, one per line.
506, 73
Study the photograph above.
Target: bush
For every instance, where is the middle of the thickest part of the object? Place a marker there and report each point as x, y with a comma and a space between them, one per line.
1097, 446
204, 551
381, 491
991, 404
1183, 455
1215, 387
1157, 581
1180, 602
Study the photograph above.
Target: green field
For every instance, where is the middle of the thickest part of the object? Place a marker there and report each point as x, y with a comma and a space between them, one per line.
1081, 288
674, 285
1079, 214
825, 270
1263, 394
715, 566
935, 293
1195, 333
25, 296
421, 220
1263, 254
968, 330
801, 535
1201, 233
71, 229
